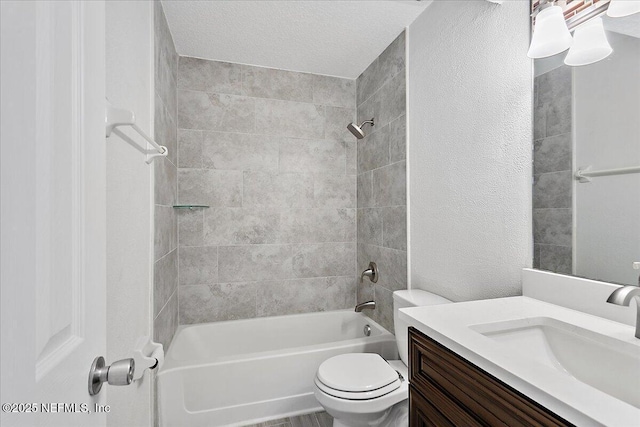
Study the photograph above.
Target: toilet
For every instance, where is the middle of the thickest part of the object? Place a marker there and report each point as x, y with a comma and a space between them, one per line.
363, 389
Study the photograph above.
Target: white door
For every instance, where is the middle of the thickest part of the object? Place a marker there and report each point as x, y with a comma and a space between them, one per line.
52, 211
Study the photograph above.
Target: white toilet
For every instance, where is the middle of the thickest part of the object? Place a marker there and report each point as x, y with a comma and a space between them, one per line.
362, 389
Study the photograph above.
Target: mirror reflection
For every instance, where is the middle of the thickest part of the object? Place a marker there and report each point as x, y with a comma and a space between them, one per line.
587, 120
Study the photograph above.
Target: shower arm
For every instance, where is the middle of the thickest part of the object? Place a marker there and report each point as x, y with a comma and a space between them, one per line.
367, 122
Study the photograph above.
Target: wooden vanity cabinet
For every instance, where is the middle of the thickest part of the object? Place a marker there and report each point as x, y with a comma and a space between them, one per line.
447, 390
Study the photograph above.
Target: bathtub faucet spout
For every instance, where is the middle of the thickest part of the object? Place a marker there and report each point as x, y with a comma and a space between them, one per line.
365, 305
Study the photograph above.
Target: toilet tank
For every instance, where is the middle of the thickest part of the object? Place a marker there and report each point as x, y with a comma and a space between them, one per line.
410, 298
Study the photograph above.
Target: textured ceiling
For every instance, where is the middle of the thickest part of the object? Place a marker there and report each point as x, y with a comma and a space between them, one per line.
336, 38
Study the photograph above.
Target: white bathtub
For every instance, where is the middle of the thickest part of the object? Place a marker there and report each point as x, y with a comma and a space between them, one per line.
248, 371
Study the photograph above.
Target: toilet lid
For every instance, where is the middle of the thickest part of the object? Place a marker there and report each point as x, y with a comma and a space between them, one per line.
356, 372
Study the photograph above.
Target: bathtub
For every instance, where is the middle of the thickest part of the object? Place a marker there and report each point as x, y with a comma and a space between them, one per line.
248, 371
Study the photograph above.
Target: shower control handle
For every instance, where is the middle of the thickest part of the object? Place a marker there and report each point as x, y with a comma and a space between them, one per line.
119, 373
371, 272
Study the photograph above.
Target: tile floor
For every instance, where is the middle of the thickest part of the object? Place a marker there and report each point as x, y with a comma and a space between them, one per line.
318, 419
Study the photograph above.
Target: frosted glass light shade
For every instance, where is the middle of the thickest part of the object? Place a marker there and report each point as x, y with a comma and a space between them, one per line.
620, 8
590, 44
551, 35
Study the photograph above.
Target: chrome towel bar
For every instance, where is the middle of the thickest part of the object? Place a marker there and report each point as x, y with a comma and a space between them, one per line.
585, 174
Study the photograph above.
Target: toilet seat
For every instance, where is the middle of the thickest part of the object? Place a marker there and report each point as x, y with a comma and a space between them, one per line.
358, 395
340, 408
357, 376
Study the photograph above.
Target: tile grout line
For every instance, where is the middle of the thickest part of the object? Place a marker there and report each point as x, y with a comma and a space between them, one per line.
552, 136
265, 98
551, 244
554, 172
268, 244
385, 82
255, 281
166, 303
271, 135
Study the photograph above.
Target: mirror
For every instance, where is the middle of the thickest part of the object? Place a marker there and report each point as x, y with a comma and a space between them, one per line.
588, 118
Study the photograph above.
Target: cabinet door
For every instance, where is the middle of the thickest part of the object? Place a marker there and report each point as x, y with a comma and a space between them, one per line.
438, 409
423, 414
465, 394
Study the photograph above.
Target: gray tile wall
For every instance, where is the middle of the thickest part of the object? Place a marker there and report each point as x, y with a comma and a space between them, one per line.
381, 163
165, 277
552, 168
269, 152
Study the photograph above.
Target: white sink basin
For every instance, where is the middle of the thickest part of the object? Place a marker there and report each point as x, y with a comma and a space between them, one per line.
608, 364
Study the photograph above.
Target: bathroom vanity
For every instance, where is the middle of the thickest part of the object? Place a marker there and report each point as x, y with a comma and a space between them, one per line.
447, 390
559, 355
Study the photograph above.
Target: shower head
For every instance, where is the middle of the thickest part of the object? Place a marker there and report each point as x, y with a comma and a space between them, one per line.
357, 130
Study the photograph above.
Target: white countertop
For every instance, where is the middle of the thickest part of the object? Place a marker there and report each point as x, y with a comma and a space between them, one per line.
568, 397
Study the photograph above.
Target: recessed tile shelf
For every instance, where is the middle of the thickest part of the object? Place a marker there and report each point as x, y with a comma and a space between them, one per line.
190, 207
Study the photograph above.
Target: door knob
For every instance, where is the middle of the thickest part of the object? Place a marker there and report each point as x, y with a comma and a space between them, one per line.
119, 373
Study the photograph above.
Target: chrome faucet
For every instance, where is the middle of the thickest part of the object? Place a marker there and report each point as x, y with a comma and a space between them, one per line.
371, 272
365, 305
623, 296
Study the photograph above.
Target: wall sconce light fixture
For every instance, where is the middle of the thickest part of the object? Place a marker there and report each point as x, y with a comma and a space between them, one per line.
551, 35
589, 43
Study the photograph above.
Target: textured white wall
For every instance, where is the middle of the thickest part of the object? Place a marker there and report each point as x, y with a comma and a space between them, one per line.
470, 86
607, 135
129, 58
